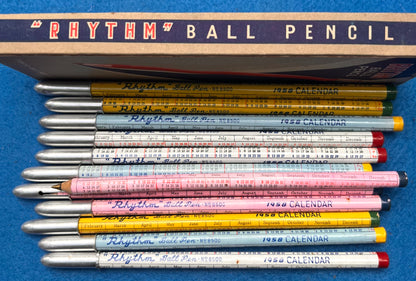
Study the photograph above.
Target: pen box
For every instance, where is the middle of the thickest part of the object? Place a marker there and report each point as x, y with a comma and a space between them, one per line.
319, 47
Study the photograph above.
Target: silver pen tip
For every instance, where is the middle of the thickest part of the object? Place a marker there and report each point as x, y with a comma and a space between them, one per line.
50, 173
38, 191
63, 88
70, 259
69, 122
65, 243
51, 226
67, 138
65, 156
63, 208
74, 105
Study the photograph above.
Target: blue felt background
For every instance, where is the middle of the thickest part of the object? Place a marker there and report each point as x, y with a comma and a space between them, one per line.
22, 107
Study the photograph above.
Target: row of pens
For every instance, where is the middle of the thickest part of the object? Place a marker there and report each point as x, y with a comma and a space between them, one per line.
158, 174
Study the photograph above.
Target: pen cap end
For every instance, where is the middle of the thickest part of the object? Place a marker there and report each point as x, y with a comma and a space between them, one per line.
391, 92
383, 260
385, 204
374, 219
367, 167
398, 123
381, 234
378, 139
387, 108
382, 155
403, 179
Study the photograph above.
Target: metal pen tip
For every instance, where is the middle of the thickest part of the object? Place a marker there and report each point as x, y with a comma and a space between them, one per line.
69, 122
51, 226
63, 88
70, 259
74, 105
67, 138
38, 191
65, 156
50, 173
63, 208
64, 243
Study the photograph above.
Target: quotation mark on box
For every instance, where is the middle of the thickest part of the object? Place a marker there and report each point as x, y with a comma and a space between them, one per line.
36, 24
167, 26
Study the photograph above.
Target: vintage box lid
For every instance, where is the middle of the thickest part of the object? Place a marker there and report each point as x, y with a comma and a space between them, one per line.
326, 47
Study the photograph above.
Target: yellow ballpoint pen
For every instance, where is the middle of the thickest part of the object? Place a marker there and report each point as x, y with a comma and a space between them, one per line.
217, 90
118, 224
219, 106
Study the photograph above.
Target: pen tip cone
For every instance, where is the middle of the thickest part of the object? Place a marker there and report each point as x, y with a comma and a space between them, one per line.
57, 186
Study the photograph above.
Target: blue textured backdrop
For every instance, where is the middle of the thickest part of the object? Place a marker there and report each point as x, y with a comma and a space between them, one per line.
22, 108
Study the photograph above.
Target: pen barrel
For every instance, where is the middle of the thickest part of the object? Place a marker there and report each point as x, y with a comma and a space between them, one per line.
211, 155
239, 260
128, 224
218, 260
232, 106
219, 106
238, 181
212, 239
231, 90
211, 139
220, 122
247, 122
232, 205
140, 89
62, 173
